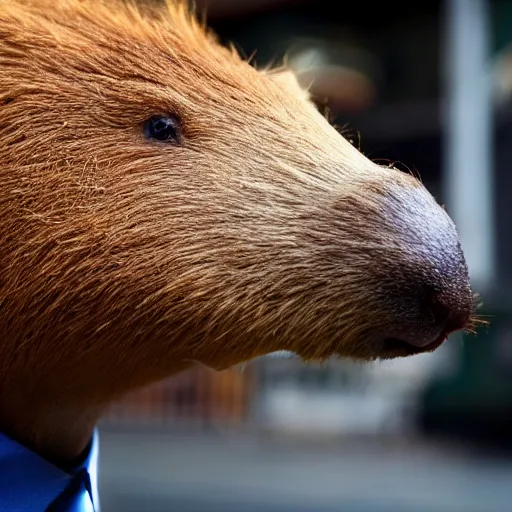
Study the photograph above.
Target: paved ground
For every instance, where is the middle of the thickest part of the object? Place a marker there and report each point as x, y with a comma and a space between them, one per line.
158, 472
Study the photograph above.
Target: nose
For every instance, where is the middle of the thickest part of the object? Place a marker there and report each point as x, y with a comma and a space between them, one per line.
431, 295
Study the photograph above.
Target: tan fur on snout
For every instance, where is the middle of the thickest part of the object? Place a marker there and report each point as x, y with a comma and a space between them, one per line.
124, 258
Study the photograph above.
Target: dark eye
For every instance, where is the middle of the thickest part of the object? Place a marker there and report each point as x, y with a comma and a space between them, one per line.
162, 128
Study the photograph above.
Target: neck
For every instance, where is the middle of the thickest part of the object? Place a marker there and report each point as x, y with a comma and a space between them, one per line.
57, 422
56, 431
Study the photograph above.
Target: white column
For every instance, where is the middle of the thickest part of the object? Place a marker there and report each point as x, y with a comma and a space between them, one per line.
468, 134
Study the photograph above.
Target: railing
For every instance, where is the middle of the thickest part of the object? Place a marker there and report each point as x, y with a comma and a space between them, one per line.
197, 396
279, 393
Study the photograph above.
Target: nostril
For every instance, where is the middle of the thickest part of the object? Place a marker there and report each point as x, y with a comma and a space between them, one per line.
439, 309
448, 311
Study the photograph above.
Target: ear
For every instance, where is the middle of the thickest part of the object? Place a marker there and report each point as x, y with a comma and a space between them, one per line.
287, 80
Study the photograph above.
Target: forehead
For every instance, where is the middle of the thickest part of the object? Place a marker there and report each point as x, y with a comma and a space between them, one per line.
162, 51
115, 36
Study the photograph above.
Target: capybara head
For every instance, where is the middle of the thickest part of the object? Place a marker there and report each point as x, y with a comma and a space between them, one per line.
162, 202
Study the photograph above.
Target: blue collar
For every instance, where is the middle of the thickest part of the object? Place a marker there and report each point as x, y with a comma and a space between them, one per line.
29, 483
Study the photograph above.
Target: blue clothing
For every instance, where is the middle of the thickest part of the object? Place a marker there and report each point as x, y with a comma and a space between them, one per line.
29, 483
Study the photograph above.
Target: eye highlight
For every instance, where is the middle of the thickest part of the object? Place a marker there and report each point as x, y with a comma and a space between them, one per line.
163, 128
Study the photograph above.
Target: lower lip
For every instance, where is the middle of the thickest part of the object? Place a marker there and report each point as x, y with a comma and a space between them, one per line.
435, 344
393, 344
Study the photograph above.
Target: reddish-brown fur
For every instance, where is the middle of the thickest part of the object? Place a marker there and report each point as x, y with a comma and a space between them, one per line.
125, 260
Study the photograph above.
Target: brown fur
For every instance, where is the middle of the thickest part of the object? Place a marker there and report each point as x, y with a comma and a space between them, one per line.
126, 259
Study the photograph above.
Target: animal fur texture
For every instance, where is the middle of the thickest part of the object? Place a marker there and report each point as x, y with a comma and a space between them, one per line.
264, 229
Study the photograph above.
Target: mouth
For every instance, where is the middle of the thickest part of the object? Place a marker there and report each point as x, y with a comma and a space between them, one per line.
395, 347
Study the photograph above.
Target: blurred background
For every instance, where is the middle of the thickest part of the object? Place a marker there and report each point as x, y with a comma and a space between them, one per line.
426, 85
